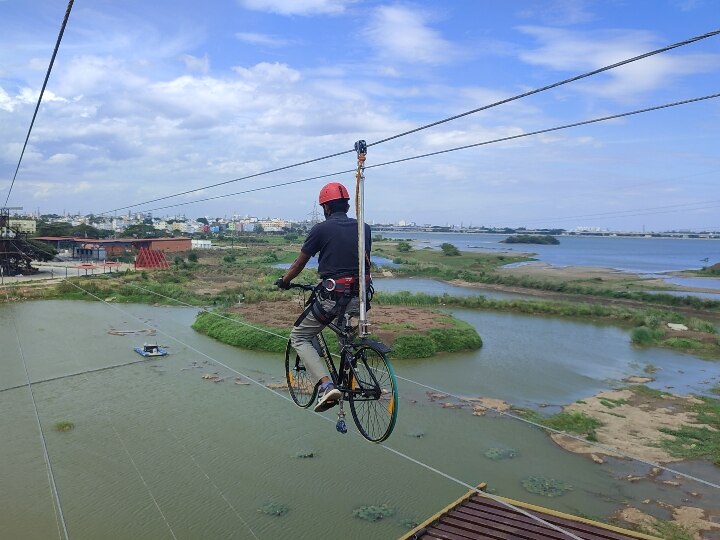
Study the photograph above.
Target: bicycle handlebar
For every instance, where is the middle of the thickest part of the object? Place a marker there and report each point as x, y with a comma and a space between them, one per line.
303, 286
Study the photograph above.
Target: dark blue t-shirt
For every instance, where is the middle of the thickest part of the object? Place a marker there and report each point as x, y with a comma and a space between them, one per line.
336, 239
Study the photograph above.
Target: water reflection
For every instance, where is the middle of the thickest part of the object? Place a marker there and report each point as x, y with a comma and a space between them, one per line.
433, 287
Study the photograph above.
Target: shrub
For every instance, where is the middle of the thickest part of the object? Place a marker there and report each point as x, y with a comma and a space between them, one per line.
642, 335
192, 257
449, 249
403, 246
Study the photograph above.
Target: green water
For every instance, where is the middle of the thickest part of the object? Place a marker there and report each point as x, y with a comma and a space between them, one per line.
158, 451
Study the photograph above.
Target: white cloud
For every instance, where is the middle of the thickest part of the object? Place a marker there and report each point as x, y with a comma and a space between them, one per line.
402, 33
298, 7
266, 72
566, 50
61, 159
560, 12
261, 39
193, 63
6, 103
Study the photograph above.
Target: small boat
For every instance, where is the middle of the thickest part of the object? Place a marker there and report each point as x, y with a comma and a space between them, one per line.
150, 350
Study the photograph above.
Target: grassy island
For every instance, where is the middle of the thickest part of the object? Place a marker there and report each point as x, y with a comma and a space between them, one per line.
543, 239
411, 332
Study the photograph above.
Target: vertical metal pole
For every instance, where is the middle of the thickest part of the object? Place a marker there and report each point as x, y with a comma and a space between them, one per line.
361, 148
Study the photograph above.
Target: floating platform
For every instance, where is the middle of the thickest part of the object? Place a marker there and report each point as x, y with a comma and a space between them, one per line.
151, 351
475, 517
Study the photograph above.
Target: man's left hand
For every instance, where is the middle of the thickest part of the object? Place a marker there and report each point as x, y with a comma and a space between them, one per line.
280, 283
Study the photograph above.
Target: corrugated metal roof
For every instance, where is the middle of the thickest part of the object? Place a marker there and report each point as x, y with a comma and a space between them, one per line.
474, 517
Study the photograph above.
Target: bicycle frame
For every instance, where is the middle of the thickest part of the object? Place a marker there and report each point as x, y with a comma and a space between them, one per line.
341, 379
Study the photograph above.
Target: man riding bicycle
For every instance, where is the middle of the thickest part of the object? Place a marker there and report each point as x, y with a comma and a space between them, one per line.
335, 240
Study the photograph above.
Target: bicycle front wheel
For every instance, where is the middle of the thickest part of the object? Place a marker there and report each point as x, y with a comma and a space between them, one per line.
300, 384
373, 394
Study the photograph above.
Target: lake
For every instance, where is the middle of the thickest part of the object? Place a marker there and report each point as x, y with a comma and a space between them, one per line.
640, 255
159, 451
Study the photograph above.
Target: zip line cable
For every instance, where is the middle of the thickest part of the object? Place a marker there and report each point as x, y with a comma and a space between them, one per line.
449, 119
142, 478
499, 500
503, 413
60, 377
554, 85
217, 488
108, 417
454, 149
57, 506
37, 106
229, 181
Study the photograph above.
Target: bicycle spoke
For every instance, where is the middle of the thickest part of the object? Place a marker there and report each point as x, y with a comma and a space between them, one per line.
300, 384
373, 401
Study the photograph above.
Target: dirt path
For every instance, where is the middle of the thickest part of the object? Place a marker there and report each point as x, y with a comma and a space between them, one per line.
387, 322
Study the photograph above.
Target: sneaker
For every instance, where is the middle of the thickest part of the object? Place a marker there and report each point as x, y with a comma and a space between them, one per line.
328, 398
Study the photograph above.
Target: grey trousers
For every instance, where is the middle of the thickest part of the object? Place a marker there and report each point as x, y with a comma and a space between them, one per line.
302, 335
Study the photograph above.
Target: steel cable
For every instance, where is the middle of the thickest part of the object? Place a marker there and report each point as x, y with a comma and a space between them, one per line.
42, 91
57, 505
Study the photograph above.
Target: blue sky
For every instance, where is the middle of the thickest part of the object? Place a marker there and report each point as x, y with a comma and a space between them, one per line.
148, 99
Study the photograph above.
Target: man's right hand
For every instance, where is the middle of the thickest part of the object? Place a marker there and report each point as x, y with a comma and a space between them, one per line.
280, 283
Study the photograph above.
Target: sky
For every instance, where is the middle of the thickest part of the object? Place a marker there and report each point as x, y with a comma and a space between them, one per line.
150, 99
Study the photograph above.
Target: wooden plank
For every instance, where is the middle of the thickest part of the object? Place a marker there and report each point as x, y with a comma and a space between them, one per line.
460, 533
525, 532
534, 529
488, 506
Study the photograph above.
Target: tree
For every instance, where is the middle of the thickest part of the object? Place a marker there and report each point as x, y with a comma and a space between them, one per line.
202, 220
86, 231
142, 231
403, 246
59, 228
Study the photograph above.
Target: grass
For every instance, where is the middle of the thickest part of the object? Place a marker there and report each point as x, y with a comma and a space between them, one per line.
695, 442
568, 421
668, 531
239, 335
612, 403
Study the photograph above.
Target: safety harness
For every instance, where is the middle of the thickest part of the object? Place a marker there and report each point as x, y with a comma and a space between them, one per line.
342, 290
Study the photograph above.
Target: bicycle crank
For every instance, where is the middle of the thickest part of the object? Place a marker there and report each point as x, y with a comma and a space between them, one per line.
341, 426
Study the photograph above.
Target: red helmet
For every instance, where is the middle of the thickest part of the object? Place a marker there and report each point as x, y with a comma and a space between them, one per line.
332, 192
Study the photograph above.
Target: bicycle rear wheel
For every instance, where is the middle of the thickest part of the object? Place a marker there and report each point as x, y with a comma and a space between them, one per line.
373, 394
302, 388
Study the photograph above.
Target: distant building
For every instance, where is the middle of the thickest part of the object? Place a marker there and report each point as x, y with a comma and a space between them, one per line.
28, 226
200, 244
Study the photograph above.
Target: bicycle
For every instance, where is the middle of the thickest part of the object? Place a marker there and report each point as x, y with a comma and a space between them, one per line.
366, 378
